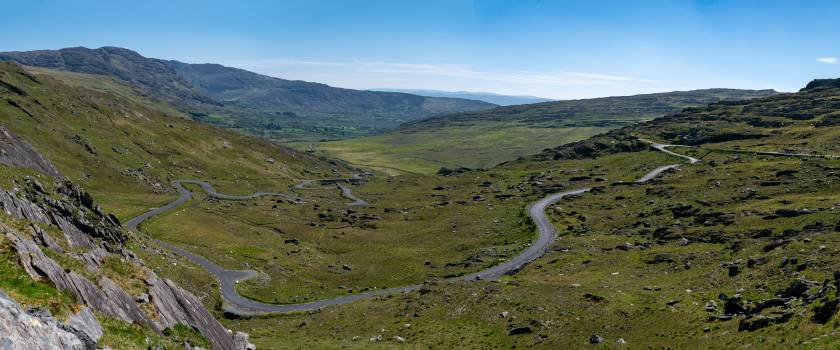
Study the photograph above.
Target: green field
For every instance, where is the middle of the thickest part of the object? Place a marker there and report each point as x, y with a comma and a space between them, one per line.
486, 138
476, 146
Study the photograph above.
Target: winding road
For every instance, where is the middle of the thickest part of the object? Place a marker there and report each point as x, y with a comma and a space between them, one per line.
239, 305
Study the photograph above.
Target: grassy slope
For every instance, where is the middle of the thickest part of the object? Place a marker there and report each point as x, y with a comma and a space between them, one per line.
558, 295
486, 138
476, 146
125, 148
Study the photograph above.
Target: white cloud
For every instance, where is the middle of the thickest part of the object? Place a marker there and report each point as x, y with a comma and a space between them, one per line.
360, 74
454, 71
829, 60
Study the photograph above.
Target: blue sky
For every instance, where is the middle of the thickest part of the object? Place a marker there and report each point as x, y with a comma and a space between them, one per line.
557, 49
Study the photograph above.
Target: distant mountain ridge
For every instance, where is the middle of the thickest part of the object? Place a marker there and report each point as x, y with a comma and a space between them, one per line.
499, 99
605, 111
485, 138
249, 101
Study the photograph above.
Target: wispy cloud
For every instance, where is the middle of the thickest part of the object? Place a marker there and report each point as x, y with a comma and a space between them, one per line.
829, 60
455, 71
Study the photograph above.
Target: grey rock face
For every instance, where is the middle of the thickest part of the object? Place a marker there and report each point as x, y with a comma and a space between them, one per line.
85, 322
242, 343
98, 237
110, 299
45, 239
18, 153
75, 237
64, 214
22, 208
175, 305
19, 330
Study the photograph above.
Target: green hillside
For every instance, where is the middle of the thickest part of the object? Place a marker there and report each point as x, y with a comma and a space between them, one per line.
125, 148
486, 138
738, 249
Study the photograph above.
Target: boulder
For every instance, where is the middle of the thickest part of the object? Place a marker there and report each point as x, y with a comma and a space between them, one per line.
775, 244
760, 321
825, 311
175, 305
520, 329
20, 330
661, 258
240, 339
85, 322
799, 287
733, 306
683, 210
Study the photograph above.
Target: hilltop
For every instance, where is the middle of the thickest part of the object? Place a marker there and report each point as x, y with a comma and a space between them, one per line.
486, 138
270, 107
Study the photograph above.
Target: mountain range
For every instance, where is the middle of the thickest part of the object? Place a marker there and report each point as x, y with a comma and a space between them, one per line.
485, 138
271, 107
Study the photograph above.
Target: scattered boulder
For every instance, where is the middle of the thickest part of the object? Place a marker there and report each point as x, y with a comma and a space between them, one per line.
760, 321
733, 305
240, 340
593, 298
775, 244
20, 330
799, 287
661, 258
715, 218
825, 311
683, 210
444, 171
711, 306
520, 329
733, 269
789, 213
596, 339
756, 261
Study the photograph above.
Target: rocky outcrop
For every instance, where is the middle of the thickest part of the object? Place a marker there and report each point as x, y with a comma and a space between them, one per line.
20, 330
80, 223
16, 152
22, 208
107, 298
175, 305
94, 237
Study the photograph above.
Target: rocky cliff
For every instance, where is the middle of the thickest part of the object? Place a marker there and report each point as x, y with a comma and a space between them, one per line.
89, 238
